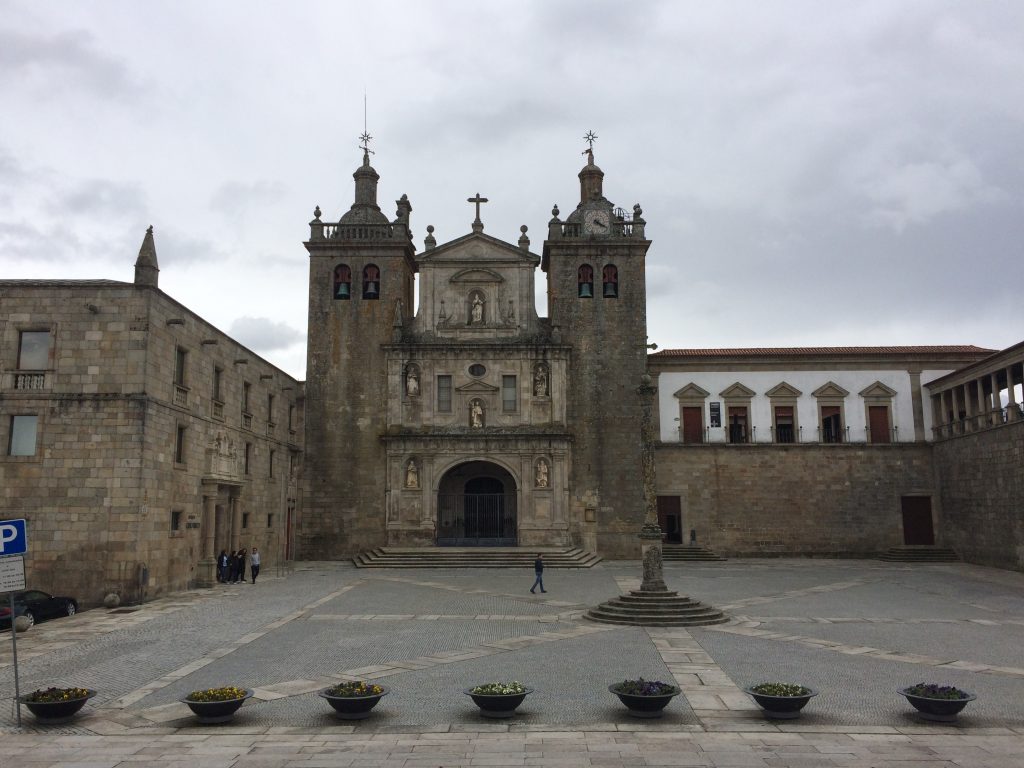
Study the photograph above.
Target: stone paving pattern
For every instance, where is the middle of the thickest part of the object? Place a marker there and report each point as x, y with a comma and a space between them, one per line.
856, 630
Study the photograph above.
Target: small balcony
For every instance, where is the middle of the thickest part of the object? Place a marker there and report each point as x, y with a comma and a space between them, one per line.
181, 395
30, 380
247, 421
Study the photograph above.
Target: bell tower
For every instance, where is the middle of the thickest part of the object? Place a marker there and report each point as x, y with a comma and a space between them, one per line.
361, 276
597, 303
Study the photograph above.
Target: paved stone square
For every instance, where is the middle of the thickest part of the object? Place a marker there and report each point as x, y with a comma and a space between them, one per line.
855, 630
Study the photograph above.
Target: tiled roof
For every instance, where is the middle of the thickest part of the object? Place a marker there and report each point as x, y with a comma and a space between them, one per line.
63, 283
950, 349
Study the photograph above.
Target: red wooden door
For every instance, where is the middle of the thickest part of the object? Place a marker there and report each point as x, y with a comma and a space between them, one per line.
878, 423
693, 429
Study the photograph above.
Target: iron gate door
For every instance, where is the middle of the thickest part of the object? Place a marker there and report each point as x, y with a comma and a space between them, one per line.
476, 520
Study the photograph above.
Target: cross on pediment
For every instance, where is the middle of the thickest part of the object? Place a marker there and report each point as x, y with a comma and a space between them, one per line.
478, 225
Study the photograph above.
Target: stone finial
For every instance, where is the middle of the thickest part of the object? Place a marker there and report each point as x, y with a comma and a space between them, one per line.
147, 270
429, 242
524, 241
554, 213
316, 213
404, 208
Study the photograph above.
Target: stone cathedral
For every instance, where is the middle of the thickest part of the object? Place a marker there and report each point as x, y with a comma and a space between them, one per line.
473, 421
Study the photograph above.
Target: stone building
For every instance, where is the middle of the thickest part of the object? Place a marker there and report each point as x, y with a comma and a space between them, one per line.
474, 421
139, 440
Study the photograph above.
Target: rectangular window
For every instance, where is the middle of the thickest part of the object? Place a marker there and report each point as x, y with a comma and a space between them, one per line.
34, 350
22, 441
176, 520
179, 445
444, 394
271, 470
738, 424
247, 457
784, 432
509, 399
245, 519
270, 409
291, 416
270, 520
218, 379
878, 424
246, 391
831, 424
179, 366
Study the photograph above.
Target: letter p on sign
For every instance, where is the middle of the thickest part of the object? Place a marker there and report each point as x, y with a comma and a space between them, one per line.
13, 538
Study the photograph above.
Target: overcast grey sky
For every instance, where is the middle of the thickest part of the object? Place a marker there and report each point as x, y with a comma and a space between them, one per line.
812, 173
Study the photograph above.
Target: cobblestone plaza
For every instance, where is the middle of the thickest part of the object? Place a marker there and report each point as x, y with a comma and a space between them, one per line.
855, 630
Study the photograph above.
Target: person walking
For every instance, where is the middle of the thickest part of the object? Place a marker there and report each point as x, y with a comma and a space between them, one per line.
538, 568
254, 564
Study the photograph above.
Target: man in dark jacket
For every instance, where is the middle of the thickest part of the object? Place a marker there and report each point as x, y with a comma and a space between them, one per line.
538, 568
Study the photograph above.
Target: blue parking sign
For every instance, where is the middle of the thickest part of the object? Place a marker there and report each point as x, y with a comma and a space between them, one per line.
13, 537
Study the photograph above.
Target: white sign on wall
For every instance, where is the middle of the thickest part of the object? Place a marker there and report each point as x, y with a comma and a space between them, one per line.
12, 573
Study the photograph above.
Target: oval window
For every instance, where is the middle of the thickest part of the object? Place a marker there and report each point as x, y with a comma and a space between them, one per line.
477, 370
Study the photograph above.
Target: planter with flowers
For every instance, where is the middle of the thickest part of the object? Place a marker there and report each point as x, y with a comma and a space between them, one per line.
938, 703
353, 700
498, 700
781, 701
645, 698
56, 705
217, 705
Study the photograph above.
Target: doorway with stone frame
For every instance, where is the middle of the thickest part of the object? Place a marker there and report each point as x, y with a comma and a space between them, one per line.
476, 506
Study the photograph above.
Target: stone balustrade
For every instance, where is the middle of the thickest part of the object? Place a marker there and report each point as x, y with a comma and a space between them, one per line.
981, 396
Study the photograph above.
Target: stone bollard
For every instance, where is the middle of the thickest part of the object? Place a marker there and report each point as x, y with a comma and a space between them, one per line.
112, 600
21, 624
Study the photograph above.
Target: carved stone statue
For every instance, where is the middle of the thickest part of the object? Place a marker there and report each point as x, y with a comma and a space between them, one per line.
476, 314
540, 381
476, 414
412, 475
412, 383
542, 474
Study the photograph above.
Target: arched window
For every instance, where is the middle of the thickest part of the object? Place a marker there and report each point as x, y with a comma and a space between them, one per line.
585, 281
342, 282
371, 282
610, 282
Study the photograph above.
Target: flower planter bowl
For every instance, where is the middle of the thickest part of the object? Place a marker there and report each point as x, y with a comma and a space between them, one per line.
353, 707
644, 706
782, 707
56, 712
937, 710
499, 705
209, 712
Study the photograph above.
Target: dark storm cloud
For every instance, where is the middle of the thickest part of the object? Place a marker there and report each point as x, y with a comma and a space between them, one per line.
263, 335
51, 65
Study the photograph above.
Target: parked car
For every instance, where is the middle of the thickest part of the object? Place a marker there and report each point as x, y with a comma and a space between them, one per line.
36, 606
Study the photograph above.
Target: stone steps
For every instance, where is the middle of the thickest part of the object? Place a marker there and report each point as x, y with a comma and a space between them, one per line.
920, 554
474, 557
656, 609
688, 553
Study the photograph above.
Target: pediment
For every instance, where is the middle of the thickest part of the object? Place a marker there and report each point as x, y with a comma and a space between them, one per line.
830, 389
736, 392
878, 389
691, 392
782, 389
476, 275
477, 247
477, 387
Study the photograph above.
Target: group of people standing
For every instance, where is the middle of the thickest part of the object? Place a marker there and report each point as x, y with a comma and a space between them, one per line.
231, 567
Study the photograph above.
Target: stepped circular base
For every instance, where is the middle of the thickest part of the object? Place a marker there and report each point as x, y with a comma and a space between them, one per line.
656, 609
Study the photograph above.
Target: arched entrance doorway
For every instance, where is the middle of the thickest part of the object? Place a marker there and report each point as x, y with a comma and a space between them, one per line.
476, 506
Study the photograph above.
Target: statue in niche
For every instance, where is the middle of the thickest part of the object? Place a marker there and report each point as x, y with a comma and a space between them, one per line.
540, 382
412, 474
476, 414
476, 312
412, 383
542, 474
